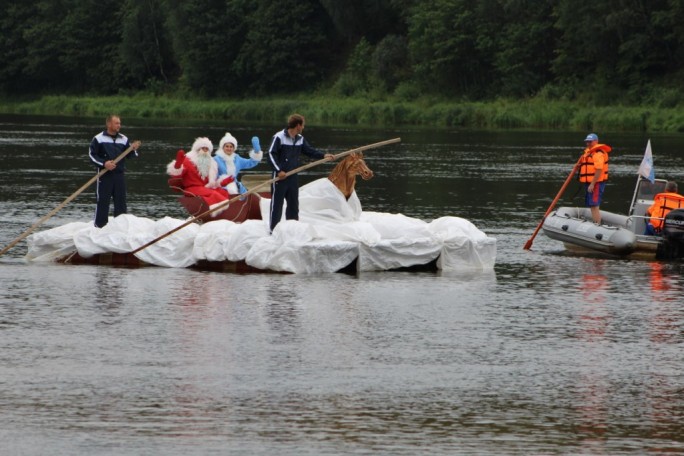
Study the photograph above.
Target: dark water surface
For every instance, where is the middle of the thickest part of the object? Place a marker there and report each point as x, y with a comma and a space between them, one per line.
547, 354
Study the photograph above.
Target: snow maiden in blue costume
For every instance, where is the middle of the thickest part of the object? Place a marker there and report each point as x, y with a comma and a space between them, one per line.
230, 163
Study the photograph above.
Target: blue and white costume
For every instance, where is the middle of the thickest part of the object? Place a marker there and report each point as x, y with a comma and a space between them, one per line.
231, 165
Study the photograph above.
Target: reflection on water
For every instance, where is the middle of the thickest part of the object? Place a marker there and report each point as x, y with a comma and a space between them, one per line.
547, 354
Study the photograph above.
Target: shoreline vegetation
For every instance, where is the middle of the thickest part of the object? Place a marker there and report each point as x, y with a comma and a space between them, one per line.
533, 113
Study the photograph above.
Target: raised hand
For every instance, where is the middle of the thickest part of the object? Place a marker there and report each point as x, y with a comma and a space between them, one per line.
180, 158
255, 144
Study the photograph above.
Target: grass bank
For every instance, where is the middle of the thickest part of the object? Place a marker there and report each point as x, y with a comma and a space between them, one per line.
499, 114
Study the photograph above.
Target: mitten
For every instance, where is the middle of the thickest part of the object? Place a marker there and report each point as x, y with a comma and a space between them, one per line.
255, 144
180, 158
227, 181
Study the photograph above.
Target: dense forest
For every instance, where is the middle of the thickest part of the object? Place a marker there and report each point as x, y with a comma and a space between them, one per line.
606, 51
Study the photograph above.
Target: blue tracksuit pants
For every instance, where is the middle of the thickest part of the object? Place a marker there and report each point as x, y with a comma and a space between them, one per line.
110, 185
284, 190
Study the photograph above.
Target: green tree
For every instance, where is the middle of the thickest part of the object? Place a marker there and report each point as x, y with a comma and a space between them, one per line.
614, 46
356, 78
608, 49
523, 45
370, 19
145, 45
444, 48
77, 53
90, 38
390, 61
208, 37
671, 21
13, 45
30, 47
643, 52
288, 46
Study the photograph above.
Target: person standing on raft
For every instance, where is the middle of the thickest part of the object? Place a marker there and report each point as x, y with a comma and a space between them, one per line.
105, 147
283, 155
593, 173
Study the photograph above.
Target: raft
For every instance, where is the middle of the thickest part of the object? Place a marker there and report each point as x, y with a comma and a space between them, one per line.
333, 234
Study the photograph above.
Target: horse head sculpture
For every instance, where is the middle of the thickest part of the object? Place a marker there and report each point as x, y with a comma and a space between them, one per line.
344, 174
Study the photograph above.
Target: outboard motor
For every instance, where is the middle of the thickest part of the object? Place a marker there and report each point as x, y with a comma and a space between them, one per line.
672, 245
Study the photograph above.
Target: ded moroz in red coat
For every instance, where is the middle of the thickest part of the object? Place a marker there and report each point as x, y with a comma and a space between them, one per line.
194, 183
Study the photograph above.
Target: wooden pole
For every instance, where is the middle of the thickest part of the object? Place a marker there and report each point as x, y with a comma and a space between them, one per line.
264, 184
528, 244
65, 202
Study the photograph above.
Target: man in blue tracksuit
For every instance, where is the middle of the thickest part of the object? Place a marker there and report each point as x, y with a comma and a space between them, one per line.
283, 155
104, 148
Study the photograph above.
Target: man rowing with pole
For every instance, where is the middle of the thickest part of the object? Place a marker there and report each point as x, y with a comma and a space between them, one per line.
104, 148
283, 155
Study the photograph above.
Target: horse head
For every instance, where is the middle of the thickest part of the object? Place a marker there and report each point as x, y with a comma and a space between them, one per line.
360, 167
344, 174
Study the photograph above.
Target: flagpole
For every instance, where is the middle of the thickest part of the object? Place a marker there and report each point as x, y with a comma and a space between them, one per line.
636, 190
645, 171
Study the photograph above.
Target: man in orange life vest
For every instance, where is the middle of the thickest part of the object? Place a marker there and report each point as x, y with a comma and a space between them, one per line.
663, 203
593, 172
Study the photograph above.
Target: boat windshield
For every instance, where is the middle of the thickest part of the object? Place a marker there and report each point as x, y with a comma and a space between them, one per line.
648, 190
644, 193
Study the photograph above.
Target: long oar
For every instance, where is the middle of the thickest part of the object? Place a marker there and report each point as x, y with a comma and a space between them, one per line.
65, 202
528, 244
264, 184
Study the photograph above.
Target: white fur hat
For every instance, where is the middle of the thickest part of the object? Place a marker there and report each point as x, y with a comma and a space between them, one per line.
228, 138
202, 142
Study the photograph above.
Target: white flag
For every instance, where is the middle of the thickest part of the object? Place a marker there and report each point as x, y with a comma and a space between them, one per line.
646, 167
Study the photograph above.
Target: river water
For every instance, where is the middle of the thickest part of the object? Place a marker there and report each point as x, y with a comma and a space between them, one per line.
548, 354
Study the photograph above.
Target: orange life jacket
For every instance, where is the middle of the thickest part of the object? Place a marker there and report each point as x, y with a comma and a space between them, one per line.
587, 170
663, 203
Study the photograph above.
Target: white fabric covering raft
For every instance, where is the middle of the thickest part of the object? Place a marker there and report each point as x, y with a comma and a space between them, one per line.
331, 233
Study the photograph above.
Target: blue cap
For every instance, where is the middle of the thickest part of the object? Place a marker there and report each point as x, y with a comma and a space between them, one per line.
591, 137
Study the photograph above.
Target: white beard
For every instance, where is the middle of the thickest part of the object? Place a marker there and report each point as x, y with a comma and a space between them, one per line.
203, 163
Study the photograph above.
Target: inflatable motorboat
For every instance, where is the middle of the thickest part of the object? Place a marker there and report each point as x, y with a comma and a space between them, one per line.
621, 235
574, 227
